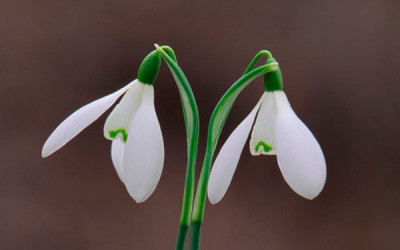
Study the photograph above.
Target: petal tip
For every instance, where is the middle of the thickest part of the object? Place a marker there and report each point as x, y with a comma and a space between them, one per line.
139, 195
213, 197
138, 201
213, 201
139, 198
311, 196
312, 193
45, 151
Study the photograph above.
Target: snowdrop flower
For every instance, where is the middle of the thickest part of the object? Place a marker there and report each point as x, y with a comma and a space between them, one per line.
137, 147
277, 131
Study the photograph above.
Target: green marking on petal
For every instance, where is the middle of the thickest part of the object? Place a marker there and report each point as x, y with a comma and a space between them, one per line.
266, 147
114, 133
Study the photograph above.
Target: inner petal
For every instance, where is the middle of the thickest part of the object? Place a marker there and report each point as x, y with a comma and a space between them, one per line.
117, 123
263, 135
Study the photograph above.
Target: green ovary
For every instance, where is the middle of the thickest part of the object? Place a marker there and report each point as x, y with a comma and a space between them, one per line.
266, 147
114, 133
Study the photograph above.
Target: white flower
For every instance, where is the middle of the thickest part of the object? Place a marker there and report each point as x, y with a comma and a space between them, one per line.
279, 131
137, 149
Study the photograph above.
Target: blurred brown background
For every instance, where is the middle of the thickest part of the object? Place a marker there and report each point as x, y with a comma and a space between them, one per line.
340, 61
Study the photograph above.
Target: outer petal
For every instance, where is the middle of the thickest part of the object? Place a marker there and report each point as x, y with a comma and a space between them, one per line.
117, 156
300, 157
118, 121
225, 164
79, 120
144, 151
262, 139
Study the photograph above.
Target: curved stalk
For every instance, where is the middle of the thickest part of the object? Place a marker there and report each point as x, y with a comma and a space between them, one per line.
256, 58
217, 122
191, 116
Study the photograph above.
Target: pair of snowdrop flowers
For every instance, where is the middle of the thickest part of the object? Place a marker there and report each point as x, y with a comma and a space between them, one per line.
277, 131
137, 148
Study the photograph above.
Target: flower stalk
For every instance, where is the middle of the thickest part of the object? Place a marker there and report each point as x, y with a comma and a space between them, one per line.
216, 124
191, 117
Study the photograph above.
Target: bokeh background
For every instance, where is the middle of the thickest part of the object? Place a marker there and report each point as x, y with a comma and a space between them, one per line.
340, 62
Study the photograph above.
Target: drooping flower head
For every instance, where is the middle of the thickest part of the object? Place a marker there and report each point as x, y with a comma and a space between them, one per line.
137, 144
277, 131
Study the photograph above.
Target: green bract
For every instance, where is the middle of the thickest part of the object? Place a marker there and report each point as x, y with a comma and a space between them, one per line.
191, 116
273, 80
149, 68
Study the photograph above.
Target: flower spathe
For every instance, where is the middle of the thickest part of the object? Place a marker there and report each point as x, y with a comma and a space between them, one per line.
277, 130
137, 148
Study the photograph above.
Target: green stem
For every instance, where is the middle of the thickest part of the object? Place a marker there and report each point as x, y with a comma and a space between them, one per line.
195, 233
217, 122
191, 116
182, 235
256, 58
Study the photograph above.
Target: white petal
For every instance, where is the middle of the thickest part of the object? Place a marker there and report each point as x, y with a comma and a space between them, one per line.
300, 157
120, 118
262, 139
79, 120
144, 151
117, 156
225, 164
